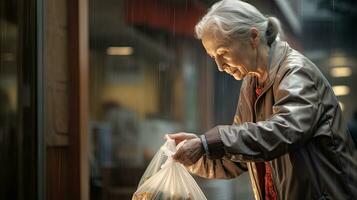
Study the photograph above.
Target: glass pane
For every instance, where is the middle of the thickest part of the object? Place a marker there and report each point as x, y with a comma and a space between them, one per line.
18, 115
150, 76
8, 99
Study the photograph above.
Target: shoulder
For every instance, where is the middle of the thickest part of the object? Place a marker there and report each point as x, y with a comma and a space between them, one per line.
299, 67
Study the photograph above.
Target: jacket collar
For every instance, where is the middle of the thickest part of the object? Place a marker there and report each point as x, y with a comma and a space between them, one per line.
247, 97
277, 53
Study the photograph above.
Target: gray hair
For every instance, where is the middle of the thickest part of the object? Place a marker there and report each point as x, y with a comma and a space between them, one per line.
234, 19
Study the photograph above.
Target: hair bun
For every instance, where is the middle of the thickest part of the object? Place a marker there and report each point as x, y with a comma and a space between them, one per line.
273, 30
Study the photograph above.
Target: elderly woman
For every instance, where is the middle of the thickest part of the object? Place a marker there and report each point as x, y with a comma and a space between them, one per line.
288, 130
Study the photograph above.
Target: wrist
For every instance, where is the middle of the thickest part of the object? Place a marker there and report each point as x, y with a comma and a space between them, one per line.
215, 145
204, 145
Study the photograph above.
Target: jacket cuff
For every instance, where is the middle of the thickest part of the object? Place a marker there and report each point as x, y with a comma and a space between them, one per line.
214, 143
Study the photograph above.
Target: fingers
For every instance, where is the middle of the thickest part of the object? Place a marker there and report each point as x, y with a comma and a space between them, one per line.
189, 153
181, 136
181, 157
177, 155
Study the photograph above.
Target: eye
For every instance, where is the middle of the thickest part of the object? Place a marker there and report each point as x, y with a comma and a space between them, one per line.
222, 52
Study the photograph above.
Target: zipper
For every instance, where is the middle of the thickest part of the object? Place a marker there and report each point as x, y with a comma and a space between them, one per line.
249, 103
265, 89
258, 97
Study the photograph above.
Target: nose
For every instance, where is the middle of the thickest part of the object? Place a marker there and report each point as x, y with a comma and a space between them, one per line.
220, 64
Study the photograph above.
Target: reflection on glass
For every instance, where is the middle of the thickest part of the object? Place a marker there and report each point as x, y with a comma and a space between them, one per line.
145, 70
149, 76
341, 90
8, 99
341, 72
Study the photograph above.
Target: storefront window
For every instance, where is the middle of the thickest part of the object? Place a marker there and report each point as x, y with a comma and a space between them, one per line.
147, 73
8, 99
149, 76
18, 101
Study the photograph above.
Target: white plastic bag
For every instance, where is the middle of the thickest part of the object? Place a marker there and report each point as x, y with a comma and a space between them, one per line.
166, 179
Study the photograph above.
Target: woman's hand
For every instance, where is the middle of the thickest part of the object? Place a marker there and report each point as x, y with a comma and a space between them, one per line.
179, 137
191, 151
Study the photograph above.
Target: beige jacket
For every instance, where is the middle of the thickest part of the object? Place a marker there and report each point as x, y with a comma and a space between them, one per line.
295, 124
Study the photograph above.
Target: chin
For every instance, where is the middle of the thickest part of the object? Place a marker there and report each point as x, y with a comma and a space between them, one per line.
238, 77
255, 74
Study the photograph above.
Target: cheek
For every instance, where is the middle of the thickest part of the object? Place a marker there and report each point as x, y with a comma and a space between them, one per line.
238, 60
242, 55
237, 57
243, 60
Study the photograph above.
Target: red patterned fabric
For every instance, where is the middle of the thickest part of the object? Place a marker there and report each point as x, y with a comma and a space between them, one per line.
270, 193
258, 91
269, 189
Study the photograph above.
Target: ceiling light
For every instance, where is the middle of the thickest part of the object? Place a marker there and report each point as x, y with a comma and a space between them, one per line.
338, 61
340, 72
341, 90
120, 51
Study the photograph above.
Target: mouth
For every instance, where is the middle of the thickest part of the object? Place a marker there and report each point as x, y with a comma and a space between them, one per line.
229, 69
234, 70
237, 72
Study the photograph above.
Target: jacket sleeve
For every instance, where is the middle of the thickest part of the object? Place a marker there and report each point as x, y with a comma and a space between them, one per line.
295, 115
227, 167
222, 168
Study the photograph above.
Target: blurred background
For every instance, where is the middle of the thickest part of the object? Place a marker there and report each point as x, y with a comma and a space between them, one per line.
88, 88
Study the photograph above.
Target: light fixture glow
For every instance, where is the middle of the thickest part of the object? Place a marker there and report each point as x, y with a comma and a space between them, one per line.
120, 51
341, 90
341, 72
338, 61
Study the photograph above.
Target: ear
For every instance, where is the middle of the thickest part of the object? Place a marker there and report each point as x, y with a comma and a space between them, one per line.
254, 37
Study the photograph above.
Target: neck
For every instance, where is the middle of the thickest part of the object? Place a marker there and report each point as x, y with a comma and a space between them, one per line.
262, 66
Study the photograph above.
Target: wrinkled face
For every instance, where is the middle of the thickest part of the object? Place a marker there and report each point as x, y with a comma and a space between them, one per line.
235, 57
